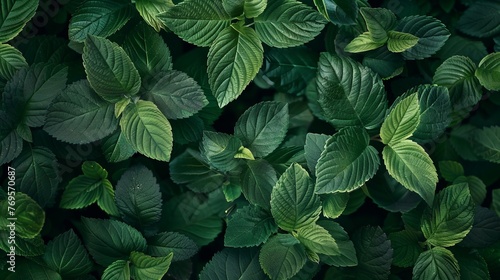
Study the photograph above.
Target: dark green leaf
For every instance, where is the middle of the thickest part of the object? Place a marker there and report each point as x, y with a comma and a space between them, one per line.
472, 265
488, 70
30, 217
481, 19
11, 60
347, 256
487, 143
374, 252
315, 144
406, 248
436, 263
233, 264
378, 22
164, 243
249, 226
485, 230
259, 178
117, 148
220, 150
282, 256
81, 192
341, 12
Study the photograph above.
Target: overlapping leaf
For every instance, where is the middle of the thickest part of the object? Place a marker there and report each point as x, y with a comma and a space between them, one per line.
436, 263
14, 14
11, 60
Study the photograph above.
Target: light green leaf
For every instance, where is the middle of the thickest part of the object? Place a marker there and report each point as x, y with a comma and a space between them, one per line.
314, 146
263, 127
94, 170
30, 217
233, 264
450, 218
259, 178
37, 174
384, 63
249, 226
147, 130
293, 202
457, 74
406, 248
81, 192
197, 22
347, 256
488, 71
107, 199
347, 162
402, 121
118, 270
318, 240
176, 94
147, 50
109, 70
334, 204
220, 150
79, 116
450, 170
399, 41
431, 32
66, 255
340, 12
350, 94
11, 60
378, 21
99, 18
117, 148
362, 43
487, 143
145, 267
110, 240
164, 243
14, 14
282, 256
138, 197
251, 8
191, 170
410, 165
150, 9
480, 19
436, 264
288, 23
374, 253
234, 59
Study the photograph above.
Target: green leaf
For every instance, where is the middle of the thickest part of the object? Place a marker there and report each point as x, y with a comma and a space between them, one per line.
32, 270
109, 240
30, 217
11, 60
233, 264
488, 71
378, 22
66, 255
362, 43
187, 130
81, 192
402, 121
318, 240
146, 267
487, 143
31, 90
99, 18
485, 229
117, 148
476, 186
79, 116
374, 252
118, 270
24, 247
150, 9
495, 203
399, 41
164, 243
340, 12
472, 265
109, 70
138, 197
197, 22
37, 174
199, 177
251, 8
146, 48
176, 94
347, 256
249, 226
107, 199
406, 248
263, 127
293, 202
431, 32
384, 63
234, 59
350, 94
288, 23
410, 165
220, 150
258, 180
450, 218
282, 256
94, 170
481, 19
314, 146
147, 130
450, 170
436, 263
347, 162
10, 147
334, 204
13, 17
457, 74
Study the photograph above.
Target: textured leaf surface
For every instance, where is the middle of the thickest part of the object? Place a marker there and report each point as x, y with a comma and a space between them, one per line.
259, 178
165, 243
118, 270
147, 130
399, 42
30, 217
402, 121
347, 256
488, 71
318, 240
374, 252
11, 60
487, 143
288, 23
436, 263
282, 256
314, 146
220, 150
117, 148
362, 43
378, 22
450, 170
249, 226
406, 248
350, 94
341, 12
147, 267
472, 265
485, 230
80, 192
150, 9
233, 264
14, 14
234, 59
347, 162
481, 19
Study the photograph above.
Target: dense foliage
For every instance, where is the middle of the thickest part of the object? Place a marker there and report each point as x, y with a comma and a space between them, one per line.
249, 139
